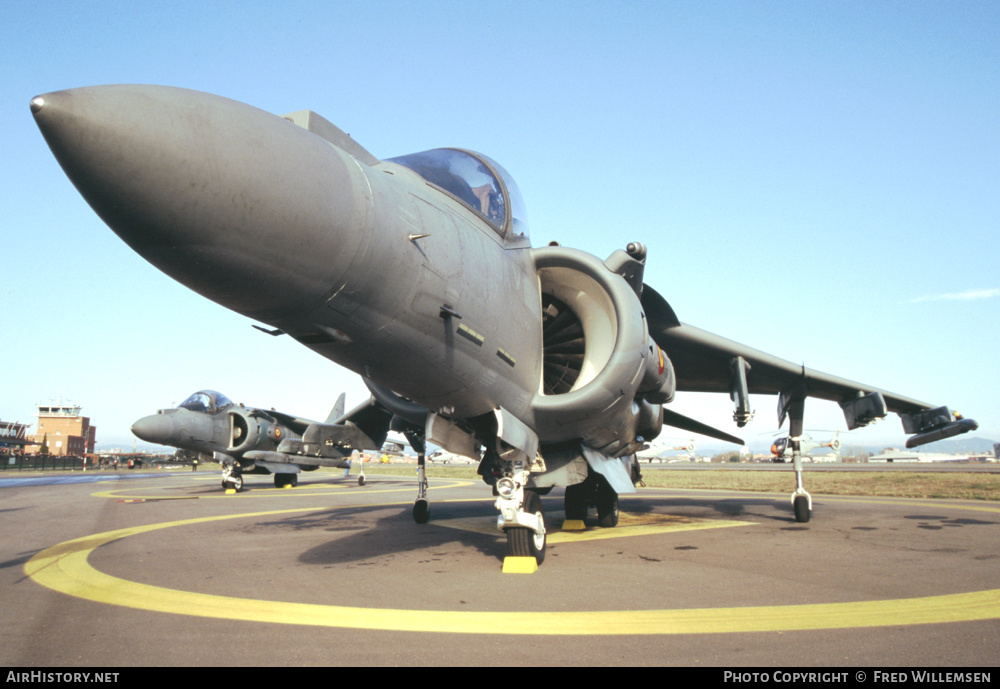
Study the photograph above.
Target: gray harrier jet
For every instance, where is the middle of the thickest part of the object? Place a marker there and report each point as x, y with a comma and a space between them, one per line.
549, 366
247, 440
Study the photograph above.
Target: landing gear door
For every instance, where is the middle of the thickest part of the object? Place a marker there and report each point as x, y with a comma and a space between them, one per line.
610, 468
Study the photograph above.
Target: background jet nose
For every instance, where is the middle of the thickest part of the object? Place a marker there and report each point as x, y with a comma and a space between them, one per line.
158, 428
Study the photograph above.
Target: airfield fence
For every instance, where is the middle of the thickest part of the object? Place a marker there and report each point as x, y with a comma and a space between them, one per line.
42, 462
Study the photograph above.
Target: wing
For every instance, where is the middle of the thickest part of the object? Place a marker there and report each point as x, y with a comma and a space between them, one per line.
704, 362
325, 444
295, 423
299, 425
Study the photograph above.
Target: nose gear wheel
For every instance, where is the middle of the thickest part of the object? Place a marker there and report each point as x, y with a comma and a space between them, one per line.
522, 541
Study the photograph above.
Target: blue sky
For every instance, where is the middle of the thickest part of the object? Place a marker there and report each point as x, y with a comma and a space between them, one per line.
818, 180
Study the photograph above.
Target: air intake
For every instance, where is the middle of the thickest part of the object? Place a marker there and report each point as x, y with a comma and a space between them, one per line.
563, 345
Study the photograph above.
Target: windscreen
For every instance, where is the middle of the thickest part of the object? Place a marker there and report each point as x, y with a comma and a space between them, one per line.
471, 179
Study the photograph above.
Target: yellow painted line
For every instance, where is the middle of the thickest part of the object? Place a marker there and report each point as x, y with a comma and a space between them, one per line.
975, 506
64, 568
628, 525
940, 503
263, 491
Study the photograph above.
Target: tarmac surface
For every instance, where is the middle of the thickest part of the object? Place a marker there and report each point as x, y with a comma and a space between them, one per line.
172, 571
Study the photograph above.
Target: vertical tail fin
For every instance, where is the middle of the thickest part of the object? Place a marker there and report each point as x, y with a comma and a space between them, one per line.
338, 408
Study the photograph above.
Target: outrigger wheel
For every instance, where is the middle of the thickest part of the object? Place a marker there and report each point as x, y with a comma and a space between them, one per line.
421, 511
801, 506
594, 490
607, 506
235, 482
524, 542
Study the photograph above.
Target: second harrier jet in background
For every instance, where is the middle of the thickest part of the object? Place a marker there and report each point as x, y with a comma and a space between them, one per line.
243, 439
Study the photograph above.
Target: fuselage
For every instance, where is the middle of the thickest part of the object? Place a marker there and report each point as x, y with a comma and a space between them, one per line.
209, 423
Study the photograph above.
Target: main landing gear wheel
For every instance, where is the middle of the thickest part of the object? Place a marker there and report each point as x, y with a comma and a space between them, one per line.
607, 508
421, 511
576, 502
282, 480
524, 542
801, 506
596, 491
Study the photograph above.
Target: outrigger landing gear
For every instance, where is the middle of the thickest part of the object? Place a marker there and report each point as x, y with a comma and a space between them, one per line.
794, 405
421, 506
361, 475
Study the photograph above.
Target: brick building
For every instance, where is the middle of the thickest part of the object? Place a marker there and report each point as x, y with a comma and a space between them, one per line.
13, 438
63, 431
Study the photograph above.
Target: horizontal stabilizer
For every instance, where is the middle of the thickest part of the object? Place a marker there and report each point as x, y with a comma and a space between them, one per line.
672, 418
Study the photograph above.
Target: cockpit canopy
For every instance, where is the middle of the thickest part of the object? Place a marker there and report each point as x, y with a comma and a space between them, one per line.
208, 401
477, 181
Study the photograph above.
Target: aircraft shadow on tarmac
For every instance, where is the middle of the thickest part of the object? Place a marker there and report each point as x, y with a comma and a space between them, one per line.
392, 533
945, 522
764, 508
369, 532
20, 560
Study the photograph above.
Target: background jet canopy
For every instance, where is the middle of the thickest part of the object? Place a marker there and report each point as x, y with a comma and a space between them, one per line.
474, 179
206, 401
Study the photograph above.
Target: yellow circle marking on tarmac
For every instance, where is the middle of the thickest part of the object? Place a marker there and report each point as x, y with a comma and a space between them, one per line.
628, 525
266, 491
64, 568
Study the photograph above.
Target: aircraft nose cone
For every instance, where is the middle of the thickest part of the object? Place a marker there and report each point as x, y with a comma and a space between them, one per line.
238, 204
157, 428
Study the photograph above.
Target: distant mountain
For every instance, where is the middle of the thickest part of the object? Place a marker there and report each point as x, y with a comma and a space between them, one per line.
131, 446
959, 444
